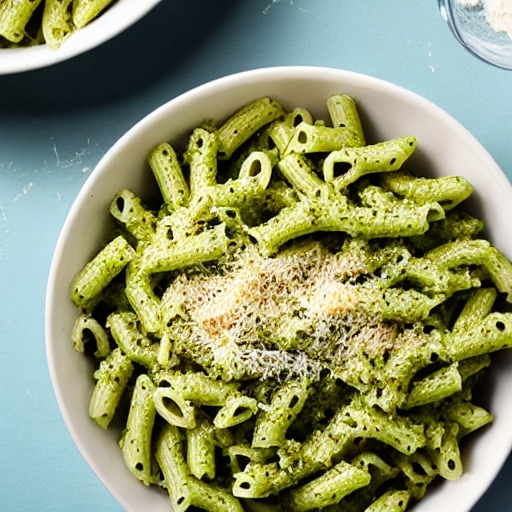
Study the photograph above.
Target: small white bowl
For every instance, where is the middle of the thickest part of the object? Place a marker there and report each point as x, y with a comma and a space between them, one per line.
387, 111
113, 21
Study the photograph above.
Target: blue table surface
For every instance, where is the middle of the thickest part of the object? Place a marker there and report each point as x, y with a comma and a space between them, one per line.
56, 124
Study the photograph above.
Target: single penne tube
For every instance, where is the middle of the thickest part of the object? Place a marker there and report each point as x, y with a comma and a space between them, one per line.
329, 488
56, 24
84, 11
344, 166
460, 252
475, 309
447, 190
435, 387
14, 16
489, 335
99, 272
257, 165
86, 325
124, 328
343, 112
170, 458
468, 416
201, 157
201, 443
184, 252
174, 408
127, 209
473, 365
390, 501
135, 442
246, 122
297, 172
313, 138
111, 379
273, 422
237, 409
169, 175
142, 298
198, 387
446, 454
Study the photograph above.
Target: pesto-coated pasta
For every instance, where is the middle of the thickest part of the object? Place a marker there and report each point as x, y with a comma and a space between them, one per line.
300, 325
36, 22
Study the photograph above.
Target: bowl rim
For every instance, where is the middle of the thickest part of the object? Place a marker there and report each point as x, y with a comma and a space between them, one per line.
273, 73
117, 18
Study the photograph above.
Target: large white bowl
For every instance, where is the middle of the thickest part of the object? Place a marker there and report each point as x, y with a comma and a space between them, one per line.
445, 147
117, 18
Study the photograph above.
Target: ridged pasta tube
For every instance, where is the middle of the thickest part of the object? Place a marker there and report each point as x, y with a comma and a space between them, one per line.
390, 501
201, 449
254, 178
245, 122
273, 422
127, 209
112, 378
201, 157
447, 190
343, 112
344, 166
297, 172
441, 384
100, 271
57, 24
84, 11
86, 325
125, 331
310, 138
169, 175
14, 16
135, 441
329, 488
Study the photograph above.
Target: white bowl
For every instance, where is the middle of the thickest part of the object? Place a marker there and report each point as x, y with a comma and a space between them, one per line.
113, 21
445, 147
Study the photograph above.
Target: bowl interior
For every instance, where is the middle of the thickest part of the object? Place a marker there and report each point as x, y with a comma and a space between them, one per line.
387, 111
116, 19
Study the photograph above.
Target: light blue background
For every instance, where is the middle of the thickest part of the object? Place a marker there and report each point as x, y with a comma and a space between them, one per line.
56, 124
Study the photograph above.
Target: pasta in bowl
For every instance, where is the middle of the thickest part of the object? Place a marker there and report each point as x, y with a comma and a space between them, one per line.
288, 302
37, 34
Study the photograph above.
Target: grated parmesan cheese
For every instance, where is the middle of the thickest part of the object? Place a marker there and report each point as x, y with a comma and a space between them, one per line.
498, 13
298, 313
